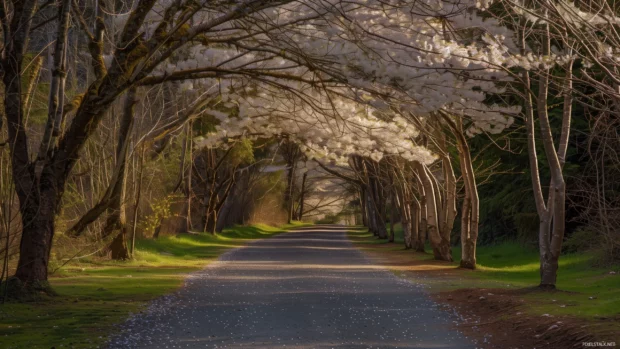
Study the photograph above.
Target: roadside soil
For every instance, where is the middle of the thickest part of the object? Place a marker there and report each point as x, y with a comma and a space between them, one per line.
497, 317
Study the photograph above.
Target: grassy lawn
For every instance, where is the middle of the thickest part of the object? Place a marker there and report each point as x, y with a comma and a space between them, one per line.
510, 265
95, 295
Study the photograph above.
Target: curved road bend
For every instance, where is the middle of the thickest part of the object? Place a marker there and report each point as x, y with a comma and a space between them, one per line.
306, 289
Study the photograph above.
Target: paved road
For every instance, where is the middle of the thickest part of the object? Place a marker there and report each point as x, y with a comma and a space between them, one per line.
306, 289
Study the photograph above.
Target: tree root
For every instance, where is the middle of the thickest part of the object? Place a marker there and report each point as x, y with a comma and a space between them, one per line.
23, 292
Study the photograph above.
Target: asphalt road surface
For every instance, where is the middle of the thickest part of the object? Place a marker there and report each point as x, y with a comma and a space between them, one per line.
305, 289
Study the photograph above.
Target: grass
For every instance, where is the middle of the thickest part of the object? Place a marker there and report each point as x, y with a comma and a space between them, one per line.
511, 265
96, 295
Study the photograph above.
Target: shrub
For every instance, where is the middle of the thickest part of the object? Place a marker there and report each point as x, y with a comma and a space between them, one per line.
582, 239
527, 227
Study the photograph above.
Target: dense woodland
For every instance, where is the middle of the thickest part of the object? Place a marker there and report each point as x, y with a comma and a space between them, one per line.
467, 122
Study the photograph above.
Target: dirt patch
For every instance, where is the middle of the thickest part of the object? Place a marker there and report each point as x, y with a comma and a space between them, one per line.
501, 314
496, 317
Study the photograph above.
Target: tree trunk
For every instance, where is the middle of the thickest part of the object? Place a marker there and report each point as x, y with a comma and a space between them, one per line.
118, 218
471, 203
302, 197
291, 155
222, 217
38, 214
372, 217
189, 178
362, 198
449, 189
418, 235
423, 221
468, 259
117, 222
376, 208
405, 216
376, 201
392, 217
548, 262
441, 246
38, 200
220, 202
118, 246
406, 223
210, 222
209, 218
290, 189
468, 256
136, 206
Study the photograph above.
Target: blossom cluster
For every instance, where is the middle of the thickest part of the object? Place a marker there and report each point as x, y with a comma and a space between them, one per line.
336, 75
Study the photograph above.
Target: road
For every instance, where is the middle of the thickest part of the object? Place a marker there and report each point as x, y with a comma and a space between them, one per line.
305, 289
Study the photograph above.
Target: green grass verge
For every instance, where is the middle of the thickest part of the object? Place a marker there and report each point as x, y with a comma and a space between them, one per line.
511, 265
95, 295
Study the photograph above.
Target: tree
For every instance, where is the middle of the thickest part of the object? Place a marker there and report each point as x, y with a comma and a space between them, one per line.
541, 25
291, 153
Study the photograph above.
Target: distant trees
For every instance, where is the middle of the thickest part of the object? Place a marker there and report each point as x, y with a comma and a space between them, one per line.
291, 154
214, 175
427, 193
